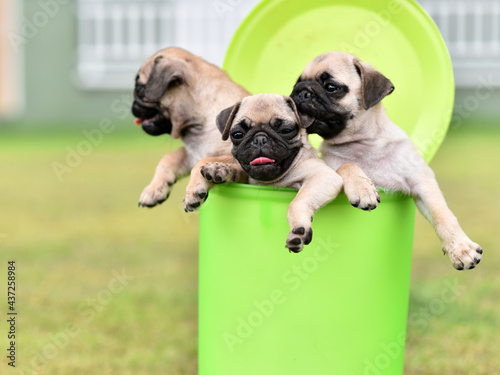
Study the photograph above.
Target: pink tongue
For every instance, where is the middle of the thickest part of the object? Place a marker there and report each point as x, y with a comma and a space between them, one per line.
138, 121
261, 160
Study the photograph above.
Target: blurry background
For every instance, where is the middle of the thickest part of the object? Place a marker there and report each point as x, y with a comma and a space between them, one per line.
105, 287
66, 59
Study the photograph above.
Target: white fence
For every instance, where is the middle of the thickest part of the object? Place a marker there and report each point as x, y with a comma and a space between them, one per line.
116, 36
471, 30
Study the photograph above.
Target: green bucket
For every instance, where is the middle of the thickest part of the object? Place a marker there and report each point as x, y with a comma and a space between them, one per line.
339, 306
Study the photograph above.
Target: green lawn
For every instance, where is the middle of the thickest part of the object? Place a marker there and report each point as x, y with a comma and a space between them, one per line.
105, 287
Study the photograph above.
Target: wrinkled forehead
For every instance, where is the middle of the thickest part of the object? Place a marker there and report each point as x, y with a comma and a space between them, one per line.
165, 57
147, 67
262, 108
338, 64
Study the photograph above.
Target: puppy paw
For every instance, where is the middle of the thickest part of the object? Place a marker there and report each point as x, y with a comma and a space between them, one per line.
193, 199
363, 194
297, 238
154, 194
219, 173
464, 255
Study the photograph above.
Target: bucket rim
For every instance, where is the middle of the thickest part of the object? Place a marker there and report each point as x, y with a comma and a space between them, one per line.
247, 191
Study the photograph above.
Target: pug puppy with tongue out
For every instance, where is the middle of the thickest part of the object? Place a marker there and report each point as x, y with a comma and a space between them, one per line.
272, 148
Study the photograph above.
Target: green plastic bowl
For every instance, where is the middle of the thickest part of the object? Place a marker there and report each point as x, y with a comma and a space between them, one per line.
278, 38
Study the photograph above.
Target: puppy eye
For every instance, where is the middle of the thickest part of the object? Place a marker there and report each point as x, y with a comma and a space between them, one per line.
237, 135
174, 82
287, 131
140, 89
330, 87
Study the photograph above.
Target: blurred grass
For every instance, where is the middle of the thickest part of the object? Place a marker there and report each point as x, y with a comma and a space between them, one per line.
71, 237
68, 237
460, 337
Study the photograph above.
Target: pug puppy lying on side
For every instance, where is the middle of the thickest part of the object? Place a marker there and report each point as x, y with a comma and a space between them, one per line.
338, 97
181, 94
272, 149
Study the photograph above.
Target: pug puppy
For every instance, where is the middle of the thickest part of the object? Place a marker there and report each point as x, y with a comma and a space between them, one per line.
272, 149
181, 94
338, 97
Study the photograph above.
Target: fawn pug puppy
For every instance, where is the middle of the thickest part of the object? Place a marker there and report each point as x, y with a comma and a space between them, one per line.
272, 149
338, 97
181, 94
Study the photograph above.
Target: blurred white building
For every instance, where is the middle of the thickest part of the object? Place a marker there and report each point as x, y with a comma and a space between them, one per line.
68, 60
115, 36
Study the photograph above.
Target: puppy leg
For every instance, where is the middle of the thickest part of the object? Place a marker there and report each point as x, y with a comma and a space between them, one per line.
220, 172
206, 173
359, 189
464, 253
171, 167
316, 190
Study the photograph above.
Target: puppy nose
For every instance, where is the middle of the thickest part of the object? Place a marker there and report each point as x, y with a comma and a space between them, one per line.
260, 140
304, 96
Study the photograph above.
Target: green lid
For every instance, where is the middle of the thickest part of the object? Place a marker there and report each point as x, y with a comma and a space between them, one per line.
278, 38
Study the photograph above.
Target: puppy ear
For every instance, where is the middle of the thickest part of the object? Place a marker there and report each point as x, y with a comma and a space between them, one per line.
303, 120
293, 107
163, 75
374, 85
225, 120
